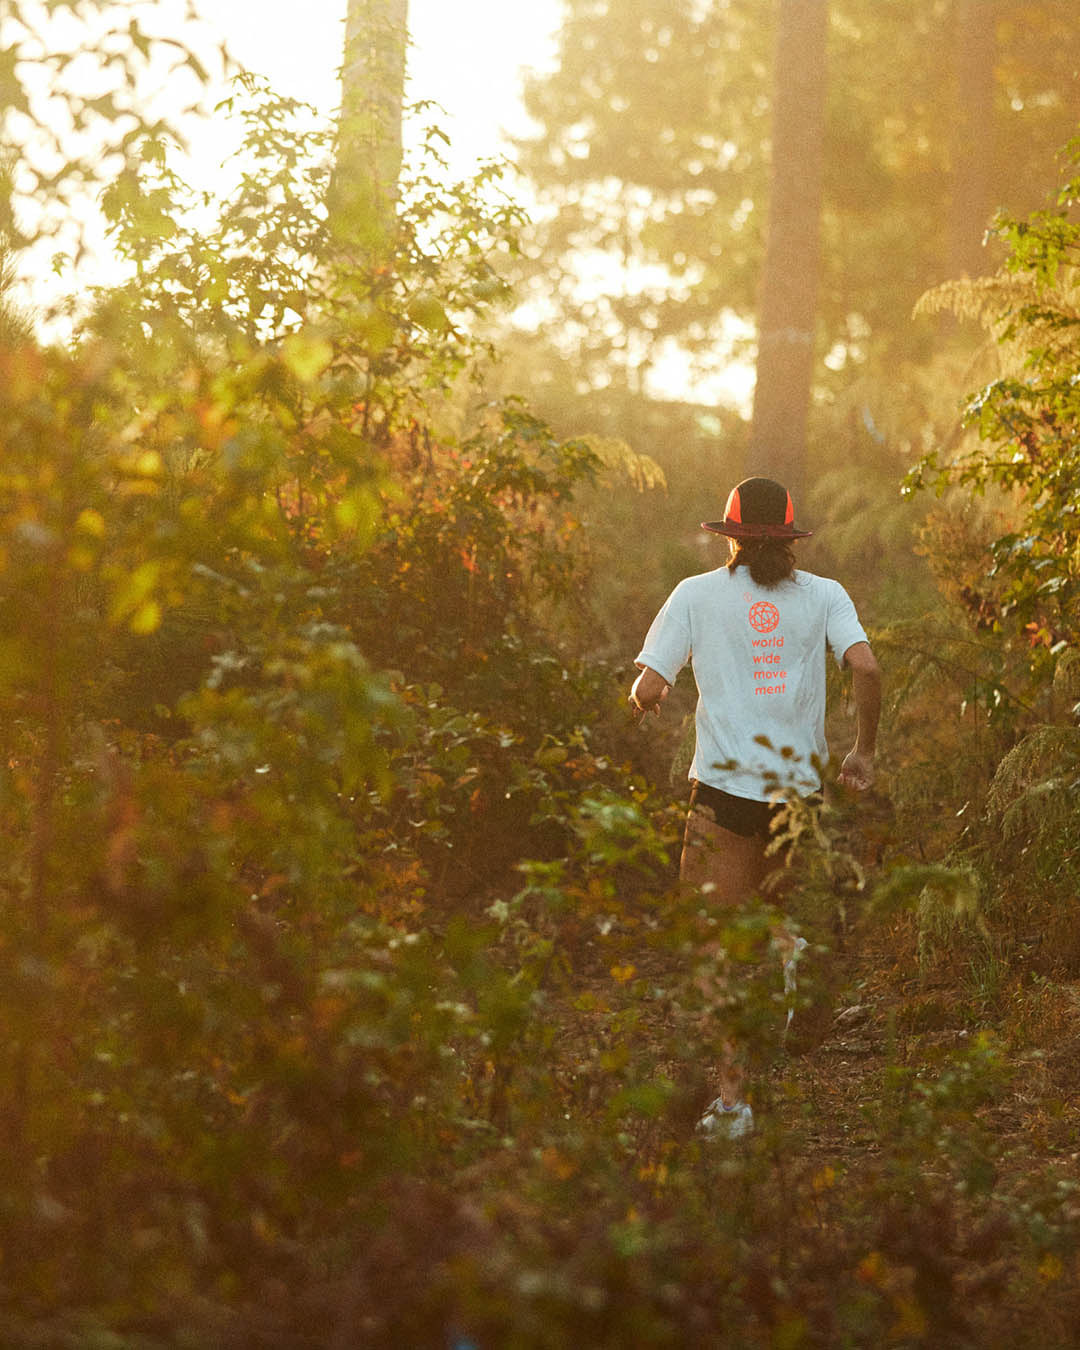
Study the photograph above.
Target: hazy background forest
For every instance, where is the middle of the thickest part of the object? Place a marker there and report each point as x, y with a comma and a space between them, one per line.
347, 995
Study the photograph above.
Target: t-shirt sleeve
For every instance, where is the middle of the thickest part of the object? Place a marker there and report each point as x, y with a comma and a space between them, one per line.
842, 626
667, 643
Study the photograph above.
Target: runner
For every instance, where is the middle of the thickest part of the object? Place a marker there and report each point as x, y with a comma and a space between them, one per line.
755, 632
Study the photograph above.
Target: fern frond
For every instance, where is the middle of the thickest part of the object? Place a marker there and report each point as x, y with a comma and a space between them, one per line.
642, 471
1067, 674
935, 651
1035, 793
981, 299
1045, 755
950, 893
1043, 811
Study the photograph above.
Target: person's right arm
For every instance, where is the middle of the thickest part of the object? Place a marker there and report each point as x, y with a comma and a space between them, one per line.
667, 648
857, 770
648, 691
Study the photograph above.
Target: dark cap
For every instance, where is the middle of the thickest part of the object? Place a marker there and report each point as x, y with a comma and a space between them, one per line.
757, 508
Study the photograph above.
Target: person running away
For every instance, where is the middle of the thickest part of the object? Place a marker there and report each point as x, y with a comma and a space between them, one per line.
755, 632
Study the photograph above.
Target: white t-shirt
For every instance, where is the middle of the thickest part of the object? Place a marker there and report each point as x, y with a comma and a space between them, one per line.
758, 656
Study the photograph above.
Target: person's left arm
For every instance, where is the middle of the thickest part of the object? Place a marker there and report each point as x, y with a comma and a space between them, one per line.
857, 770
847, 639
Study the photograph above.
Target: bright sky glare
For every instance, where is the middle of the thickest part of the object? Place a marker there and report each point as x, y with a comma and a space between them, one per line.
470, 57
467, 55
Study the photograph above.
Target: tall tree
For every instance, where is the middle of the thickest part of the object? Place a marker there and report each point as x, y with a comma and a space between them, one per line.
651, 151
647, 167
972, 199
365, 186
787, 315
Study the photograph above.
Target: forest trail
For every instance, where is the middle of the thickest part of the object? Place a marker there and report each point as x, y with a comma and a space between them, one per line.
885, 1020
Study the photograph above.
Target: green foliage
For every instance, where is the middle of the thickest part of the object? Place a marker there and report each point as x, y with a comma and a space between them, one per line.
1021, 464
1026, 423
347, 996
219, 888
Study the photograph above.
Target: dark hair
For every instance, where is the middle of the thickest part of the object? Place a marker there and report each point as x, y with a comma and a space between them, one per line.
770, 561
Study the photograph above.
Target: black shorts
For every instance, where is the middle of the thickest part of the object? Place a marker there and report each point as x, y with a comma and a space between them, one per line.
740, 815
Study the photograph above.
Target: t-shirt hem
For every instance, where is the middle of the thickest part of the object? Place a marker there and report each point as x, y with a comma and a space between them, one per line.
737, 788
840, 650
646, 659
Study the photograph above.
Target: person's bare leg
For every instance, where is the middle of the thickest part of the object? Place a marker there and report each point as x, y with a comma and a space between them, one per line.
733, 866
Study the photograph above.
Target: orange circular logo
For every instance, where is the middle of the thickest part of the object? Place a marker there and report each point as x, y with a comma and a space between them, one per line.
764, 616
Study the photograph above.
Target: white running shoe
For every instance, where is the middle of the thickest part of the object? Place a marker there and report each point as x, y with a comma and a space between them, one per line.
726, 1122
797, 950
791, 983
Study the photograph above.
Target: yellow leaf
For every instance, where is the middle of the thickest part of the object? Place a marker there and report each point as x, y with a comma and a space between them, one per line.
80, 558
1051, 1268
146, 619
148, 465
92, 523
306, 356
359, 511
910, 1324
623, 974
825, 1179
134, 590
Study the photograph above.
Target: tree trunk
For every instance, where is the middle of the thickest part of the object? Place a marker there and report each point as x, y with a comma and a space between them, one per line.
787, 309
364, 192
971, 204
